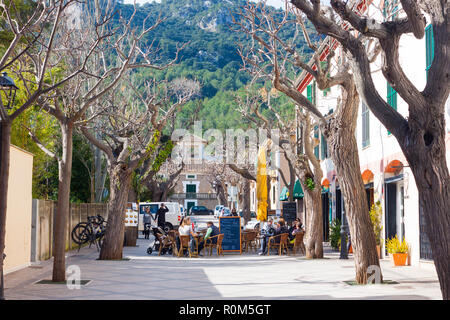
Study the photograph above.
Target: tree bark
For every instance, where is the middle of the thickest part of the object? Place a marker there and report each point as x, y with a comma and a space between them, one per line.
314, 224
344, 153
246, 201
120, 177
63, 204
424, 148
4, 176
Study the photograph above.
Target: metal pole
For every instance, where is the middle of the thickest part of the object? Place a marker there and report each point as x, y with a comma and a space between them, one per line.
344, 232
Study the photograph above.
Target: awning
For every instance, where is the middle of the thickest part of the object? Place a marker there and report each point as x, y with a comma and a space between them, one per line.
298, 191
284, 194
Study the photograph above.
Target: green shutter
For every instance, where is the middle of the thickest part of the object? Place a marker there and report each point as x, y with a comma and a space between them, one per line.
308, 93
323, 147
311, 93
316, 136
365, 125
391, 97
429, 47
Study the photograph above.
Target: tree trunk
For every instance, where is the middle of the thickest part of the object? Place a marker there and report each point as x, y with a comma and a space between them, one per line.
425, 151
314, 224
120, 181
246, 201
344, 153
5, 127
100, 173
63, 204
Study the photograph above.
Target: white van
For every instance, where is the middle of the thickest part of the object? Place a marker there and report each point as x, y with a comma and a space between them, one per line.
173, 216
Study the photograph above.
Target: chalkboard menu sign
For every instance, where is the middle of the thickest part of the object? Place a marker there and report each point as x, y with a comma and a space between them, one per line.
231, 228
289, 211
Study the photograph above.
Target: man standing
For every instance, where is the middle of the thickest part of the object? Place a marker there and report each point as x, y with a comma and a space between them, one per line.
161, 215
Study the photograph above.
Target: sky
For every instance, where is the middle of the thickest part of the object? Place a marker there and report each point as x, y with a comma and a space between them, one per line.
275, 3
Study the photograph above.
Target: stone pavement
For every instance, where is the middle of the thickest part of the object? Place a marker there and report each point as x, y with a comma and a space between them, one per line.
234, 276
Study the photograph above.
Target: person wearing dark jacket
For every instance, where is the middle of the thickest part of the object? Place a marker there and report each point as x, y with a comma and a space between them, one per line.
281, 228
161, 215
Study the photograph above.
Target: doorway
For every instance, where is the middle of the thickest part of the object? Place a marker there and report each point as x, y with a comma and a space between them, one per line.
390, 210
326, 215
339, 205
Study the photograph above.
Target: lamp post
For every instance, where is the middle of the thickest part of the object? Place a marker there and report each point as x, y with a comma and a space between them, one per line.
7, 96
344, 232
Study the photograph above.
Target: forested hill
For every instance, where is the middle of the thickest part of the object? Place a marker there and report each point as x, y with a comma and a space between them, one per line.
211, 55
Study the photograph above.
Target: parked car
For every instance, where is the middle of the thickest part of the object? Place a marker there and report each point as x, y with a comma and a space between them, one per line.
200, 211
217, 210
173, 216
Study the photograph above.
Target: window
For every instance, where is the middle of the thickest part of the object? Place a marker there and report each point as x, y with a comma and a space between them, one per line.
323, 147
316, 138
391, 98
429, 47
191, 176
191, 188
311, 93
365, 125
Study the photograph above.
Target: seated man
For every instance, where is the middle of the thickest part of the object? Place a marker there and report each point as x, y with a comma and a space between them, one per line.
211, 232
266, 232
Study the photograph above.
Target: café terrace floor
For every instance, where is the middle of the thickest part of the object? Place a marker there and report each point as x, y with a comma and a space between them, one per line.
234, 276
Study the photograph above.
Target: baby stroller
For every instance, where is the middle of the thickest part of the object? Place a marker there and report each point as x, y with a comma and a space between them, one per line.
162, 243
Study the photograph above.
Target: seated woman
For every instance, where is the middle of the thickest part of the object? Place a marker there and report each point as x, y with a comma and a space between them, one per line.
296, 227
186, 229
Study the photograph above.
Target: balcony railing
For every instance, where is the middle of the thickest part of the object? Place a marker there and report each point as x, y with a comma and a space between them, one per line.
193, 195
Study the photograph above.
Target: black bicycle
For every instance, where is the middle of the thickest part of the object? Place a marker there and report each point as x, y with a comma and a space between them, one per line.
91, 231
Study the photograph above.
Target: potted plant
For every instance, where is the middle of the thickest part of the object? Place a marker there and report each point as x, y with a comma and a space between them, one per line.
375, 217
398, 249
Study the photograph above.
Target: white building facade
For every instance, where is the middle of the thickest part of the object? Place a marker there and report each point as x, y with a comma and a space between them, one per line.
385, 171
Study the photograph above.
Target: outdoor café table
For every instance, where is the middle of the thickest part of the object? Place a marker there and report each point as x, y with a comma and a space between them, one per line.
197, 240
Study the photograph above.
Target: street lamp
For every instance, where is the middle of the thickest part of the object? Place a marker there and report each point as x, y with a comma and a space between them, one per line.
344, 233
9, 88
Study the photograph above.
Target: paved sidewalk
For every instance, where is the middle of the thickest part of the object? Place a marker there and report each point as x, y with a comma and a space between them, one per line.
230, 277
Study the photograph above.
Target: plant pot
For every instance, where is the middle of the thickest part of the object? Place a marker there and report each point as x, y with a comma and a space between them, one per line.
379, 251
400, 259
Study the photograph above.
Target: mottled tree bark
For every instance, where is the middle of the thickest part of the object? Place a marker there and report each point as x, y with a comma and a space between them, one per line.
120, 177
4, 177
344, 153
63, 203
314, 223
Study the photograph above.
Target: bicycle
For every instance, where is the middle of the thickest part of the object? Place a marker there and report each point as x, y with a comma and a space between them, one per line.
91, 231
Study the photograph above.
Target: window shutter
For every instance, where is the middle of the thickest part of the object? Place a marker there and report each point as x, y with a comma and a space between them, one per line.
429, 47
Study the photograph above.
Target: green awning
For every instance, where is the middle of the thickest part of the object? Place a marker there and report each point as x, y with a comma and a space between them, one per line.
284, 194
298, 191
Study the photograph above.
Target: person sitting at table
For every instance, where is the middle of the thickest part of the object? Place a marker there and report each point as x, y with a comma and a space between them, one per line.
296, 227
266, 232
211, 232
280, 229
185, 229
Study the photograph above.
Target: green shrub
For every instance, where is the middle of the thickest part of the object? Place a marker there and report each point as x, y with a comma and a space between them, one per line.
375, 217
394, 245
335, 234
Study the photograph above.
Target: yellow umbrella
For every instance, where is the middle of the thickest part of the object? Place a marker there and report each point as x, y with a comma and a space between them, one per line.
261, 185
